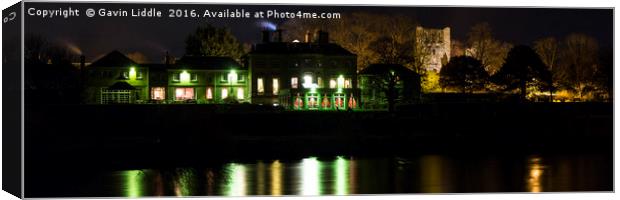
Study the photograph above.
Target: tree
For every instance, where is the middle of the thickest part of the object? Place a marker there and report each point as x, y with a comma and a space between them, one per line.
521, 69
395, 81
547, 49
465, 73
208, 40
483, 47
580, 63
137, 57
360, 33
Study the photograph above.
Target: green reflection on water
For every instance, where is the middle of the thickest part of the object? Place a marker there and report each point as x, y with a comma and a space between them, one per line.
133, 183
311, 176
342, 176
183, 186
236, 180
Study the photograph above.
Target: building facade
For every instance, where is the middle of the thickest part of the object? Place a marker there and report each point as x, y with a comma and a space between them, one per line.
310, 75
436, 46
116, 79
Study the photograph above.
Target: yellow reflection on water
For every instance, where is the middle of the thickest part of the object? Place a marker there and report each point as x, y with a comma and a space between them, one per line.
534, 179
311, 176
341, 166
133, 183
236, 180
432, 178
276, 178
260, 178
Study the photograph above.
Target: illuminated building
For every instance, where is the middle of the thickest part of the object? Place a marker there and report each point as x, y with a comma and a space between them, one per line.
115, 79
310, 75
436, 44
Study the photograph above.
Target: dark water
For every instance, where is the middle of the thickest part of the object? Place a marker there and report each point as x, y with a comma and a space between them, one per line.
346, 175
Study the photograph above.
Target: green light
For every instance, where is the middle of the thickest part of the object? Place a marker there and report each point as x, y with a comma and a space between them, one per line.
232, 76
340, 81
184, 185
132, 73
236, 182
342, 176
133, 183
184, 76
311, 176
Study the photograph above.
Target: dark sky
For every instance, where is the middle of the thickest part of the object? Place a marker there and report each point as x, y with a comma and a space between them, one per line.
153, 36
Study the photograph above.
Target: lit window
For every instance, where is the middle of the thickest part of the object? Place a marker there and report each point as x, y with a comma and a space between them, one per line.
184, 93
239, 93
276, 86
340, 81
232, 76
158, 93
294, 82
307, 81
209, 93
185, 77
332, 83
347, 83
320, 82
224, 93
132, 73
260, 87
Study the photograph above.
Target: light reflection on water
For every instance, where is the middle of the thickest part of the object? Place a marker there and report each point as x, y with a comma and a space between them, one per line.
343, 175
536, 170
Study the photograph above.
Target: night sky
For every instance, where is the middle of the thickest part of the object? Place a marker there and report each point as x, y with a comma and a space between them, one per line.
154, 36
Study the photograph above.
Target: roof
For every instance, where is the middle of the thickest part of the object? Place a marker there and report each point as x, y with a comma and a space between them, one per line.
114, 59
121, 85
300, 48
206, 62
374, 69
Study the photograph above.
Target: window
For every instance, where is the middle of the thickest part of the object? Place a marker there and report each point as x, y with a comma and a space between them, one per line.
209, 93
232, 77
319, 82
115, 96
294, 82
339, 101
348, 83
340, 81
194, 77
241, 78
176, 77
332, 83
224, 93
239, 93
312, 101
158, 93
125, 75
184, 93
260, 87
139, 75
184, 77
276, 86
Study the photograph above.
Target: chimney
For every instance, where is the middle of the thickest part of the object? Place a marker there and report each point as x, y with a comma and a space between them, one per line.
167, 59
82, 61
266, 35
278, 36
